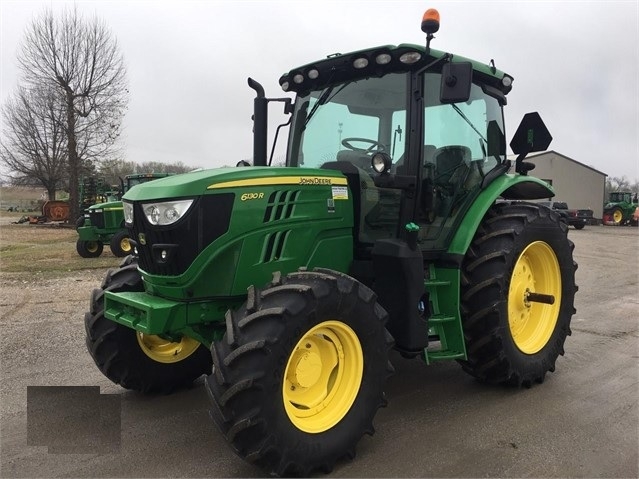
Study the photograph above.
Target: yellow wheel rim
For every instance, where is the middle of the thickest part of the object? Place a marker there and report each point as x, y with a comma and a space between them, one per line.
617, 216
165, 351
323, 376
92, 246
532, 323
125, 245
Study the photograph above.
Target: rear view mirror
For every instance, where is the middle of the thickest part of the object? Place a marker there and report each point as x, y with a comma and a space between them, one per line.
531, 135
456, 81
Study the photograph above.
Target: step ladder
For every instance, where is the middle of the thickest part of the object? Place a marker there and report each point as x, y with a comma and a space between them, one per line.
445, 320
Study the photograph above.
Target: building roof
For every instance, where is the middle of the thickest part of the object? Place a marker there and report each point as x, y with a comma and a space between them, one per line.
542, 153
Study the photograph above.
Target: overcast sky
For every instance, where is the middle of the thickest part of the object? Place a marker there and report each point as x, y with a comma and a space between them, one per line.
576, 63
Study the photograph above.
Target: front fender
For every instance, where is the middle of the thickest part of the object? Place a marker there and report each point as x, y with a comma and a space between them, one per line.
508, 187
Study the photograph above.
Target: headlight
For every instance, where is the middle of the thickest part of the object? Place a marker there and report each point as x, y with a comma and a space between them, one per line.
166, 213
128, 212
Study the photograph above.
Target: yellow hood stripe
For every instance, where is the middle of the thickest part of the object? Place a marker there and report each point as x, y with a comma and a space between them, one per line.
282, 180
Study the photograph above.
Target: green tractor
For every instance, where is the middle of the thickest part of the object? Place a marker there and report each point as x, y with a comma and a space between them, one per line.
395, 223
104, 222
620, 209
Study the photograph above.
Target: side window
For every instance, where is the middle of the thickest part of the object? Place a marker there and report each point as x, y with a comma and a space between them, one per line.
476, 125
462, 142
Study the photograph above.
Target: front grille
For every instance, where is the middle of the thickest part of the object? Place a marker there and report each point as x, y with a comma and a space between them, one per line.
97, 218
207, 219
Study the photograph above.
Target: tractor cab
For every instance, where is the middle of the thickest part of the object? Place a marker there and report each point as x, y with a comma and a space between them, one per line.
417, 132
431, 155
621, 197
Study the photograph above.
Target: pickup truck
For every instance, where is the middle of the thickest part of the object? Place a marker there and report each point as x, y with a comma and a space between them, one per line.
576, 218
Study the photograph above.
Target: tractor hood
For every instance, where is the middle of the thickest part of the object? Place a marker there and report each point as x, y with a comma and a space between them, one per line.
106, 206
198, 183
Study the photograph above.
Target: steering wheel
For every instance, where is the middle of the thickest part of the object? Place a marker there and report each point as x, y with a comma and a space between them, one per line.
375, 145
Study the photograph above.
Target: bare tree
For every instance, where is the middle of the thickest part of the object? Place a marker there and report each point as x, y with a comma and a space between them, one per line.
113, 170
620, 183
33, 146
159, 167
81, 60
116, 169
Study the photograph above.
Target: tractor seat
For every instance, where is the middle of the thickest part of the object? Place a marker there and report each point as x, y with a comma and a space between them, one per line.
449, 160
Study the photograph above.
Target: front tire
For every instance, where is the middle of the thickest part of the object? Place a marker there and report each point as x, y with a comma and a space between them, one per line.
120, 244
89, 249
300, 372
144, 363
518, 259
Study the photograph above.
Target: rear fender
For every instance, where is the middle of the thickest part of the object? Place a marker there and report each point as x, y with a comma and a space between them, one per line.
507, 187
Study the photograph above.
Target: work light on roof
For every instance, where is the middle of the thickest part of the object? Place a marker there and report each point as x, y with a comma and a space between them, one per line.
507, 81
383, 59
299, 78
360, 63
410, 57
285, 86
313, 73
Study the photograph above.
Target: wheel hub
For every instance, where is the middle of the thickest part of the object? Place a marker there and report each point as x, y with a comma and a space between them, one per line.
308, 369
125, 245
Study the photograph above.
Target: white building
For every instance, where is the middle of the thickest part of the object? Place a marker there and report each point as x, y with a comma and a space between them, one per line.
579, 185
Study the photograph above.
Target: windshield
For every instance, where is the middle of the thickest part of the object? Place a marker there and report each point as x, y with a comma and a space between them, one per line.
359, 116
347, 123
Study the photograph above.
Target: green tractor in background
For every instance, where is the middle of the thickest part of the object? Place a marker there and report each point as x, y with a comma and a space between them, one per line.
103, 223
394, 224
620, 209
94, 190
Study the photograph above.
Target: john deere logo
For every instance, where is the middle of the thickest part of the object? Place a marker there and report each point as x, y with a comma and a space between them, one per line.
142, 238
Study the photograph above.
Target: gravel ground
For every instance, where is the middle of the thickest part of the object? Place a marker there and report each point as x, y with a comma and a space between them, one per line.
582, 422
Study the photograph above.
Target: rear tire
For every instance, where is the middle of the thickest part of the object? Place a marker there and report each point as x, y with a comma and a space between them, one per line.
89, 249
300, 372
617, 216
579, 227
518, 249
120, 244
144, 363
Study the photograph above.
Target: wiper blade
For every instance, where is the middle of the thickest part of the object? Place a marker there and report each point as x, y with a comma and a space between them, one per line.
470, 123
325, 97
322, 99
